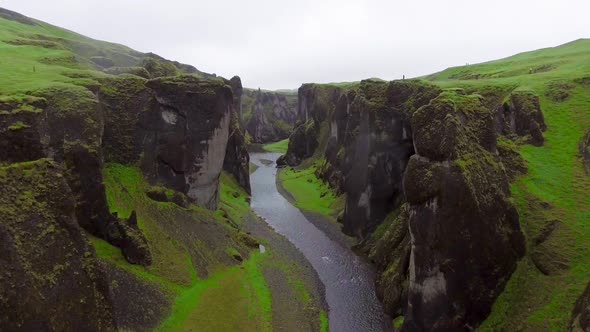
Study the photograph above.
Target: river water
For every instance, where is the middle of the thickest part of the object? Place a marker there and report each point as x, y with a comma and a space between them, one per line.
348, 279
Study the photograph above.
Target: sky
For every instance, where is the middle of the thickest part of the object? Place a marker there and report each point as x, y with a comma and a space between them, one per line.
277, 44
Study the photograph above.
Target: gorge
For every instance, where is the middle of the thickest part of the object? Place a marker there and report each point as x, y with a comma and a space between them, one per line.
138, 193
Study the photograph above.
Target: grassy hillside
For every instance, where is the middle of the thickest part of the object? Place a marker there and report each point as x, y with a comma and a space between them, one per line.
556, 189
37, 55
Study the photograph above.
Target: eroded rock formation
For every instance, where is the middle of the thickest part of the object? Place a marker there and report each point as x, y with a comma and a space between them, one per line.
54, 148
48, 270
436, 166
465, 234
269, 116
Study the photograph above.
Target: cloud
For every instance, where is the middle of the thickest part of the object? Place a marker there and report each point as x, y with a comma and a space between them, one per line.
281, 44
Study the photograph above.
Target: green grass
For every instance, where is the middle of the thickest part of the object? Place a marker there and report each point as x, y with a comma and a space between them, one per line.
532, 300
231, 297
40, 56
279, 147
233, 199
324, 323
309, 192
235, 299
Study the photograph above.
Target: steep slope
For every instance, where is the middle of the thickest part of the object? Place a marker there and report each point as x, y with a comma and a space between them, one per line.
553, 198
269, 116
458, 142
124, 180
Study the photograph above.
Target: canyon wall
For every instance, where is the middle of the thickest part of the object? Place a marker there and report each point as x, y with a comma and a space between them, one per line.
424, 163
180, 131
268, 116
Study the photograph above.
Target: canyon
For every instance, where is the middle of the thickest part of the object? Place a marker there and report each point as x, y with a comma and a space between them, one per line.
139, 193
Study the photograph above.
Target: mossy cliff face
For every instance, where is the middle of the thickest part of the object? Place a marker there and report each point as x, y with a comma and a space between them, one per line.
186, 136
269, 116
177, 129
464, 233
167, 126
521, 115
49, 276
426, 176
369, 146
66, 125
237, 159
315, 103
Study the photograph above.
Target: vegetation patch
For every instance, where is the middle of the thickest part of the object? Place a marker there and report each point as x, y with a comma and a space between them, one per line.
279, 147
309, 192
554, 188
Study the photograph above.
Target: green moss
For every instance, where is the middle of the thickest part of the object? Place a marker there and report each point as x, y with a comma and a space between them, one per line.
235, 299
324, 324
18, 126
555, 176
233, 199
279, 147
230, 298
309, 192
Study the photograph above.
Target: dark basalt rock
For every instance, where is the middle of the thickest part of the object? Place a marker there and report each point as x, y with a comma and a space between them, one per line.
581, 313
315, 103
391, 254
465, 235
127, 236
237, 158
521, 116
50, 279
19, 138
185, 135
272, 115
147, 122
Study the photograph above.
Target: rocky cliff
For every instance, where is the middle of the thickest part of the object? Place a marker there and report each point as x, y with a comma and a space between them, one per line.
269, 116
426, 164
108, 109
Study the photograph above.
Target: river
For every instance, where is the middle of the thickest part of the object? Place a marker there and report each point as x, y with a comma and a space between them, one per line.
348, 279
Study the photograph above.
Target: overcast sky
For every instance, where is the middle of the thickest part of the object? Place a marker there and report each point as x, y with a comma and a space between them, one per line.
277, 44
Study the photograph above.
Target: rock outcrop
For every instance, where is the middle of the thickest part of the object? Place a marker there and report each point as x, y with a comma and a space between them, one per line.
50, 279
434, 166
521, 115
237, 158
81, 144
185, 143
269, 116
465, 234
315, 103
177, 129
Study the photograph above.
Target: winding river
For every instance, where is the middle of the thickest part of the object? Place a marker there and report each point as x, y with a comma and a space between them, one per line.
348, 279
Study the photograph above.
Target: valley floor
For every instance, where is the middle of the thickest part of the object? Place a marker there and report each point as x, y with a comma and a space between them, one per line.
272, 289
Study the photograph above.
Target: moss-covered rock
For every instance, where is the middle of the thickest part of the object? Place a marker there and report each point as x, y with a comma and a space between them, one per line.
521, 116
271, 114
49, 276
465, 235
